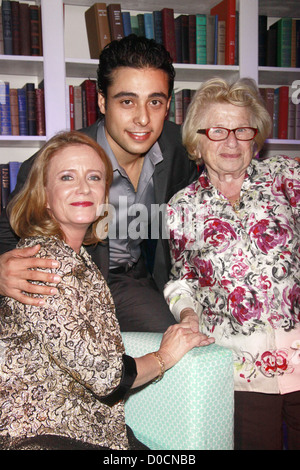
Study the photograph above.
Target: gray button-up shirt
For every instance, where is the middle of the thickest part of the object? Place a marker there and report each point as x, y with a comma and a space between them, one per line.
132, 213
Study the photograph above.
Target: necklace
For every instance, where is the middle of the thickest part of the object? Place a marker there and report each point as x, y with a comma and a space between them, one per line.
236, 205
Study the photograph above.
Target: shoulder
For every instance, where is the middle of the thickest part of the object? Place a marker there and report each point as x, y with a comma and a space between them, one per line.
186, 195
278, 164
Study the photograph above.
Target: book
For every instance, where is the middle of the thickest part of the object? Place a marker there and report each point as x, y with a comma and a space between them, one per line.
77, 107
141, 24
89, 100
7, 27
35, 30
268, 97
297, 43
97, 26
186, 99
262, 39
201, 39
149, 26
126, 23
182, 39
171, 112
226, 12
178, 107
5, 119
168, 31
297, 121
192, 38
25, 32
22, 107
115, 21
211, 39
40, 110
157, 23
14, 111
283, 29
13, 169
283, 112
275, 113
15, 25
1, 33
71, 106
30, 108
221, 42
4, 182
134, 23
272, 47
291, 120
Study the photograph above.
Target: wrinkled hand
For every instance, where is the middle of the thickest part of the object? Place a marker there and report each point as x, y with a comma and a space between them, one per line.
189, 319
178, 340
17, 267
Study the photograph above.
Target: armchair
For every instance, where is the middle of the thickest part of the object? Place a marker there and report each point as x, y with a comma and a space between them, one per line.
191, 408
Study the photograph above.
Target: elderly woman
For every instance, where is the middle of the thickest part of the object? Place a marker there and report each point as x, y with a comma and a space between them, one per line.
234, 238
63, 368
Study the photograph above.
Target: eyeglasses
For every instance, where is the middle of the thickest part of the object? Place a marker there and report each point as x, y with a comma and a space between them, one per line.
221, 133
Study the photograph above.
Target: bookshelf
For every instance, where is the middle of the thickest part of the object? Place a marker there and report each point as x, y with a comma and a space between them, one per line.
66, 61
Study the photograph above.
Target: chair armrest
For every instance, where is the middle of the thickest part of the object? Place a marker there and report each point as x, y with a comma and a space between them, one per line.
191, 407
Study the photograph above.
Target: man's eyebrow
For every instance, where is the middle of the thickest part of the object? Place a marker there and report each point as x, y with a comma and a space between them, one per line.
157, 94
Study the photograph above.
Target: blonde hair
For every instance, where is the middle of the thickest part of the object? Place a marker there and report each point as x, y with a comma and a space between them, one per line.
243, 92
27, 211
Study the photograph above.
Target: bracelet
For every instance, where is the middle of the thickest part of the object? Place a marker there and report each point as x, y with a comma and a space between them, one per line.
161, 364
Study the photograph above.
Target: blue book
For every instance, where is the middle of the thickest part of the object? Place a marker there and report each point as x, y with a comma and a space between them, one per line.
5, 120
157, 22
13, 173
149, 27
126, 23
22, 105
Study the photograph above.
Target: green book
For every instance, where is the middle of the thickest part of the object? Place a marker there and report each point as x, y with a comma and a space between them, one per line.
201, 39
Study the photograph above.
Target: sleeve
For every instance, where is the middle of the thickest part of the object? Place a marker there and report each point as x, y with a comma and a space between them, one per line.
180, 291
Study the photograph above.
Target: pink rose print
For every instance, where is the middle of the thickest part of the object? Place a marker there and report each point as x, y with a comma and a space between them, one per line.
286, 191
205, 271
274, 363
219, 234
242, 308
269, 236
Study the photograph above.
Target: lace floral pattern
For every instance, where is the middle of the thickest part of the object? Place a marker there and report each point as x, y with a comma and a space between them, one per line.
240, 269
57, 361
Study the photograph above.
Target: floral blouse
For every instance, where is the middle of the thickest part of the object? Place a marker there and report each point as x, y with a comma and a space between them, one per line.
240, 270
57, 361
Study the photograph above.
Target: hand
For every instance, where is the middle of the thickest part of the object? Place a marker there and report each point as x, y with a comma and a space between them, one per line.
189, 319
16, 270
178, 340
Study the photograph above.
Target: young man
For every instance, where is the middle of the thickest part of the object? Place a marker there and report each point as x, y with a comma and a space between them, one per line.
135, 82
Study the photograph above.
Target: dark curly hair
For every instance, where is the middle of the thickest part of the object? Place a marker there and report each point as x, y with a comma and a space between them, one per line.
136, 52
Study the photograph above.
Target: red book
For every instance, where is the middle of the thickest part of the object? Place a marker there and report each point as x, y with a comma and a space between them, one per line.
89, 97
226, 12
283, 112
71, 106
168, 30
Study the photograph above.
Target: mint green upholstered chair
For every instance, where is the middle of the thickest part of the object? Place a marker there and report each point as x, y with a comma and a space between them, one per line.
191, 408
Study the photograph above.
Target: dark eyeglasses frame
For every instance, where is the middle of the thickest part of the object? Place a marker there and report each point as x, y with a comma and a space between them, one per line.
206, 131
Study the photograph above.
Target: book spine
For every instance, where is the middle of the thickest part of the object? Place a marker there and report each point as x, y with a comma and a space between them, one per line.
115, 21
22, 106
15, 25
31, 108
168, 30
13, 169
201, 39
284, 37
4, 185
77, 107
5, 119
35, 30
40, 112
14, 111
71, 104
283, 112
25, 47
126, 23
157, 22
149, 27
7, 27
192, 38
